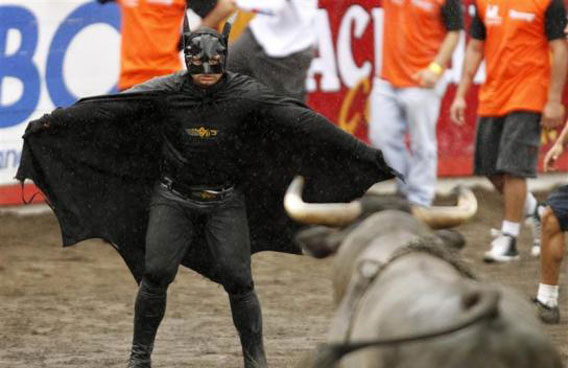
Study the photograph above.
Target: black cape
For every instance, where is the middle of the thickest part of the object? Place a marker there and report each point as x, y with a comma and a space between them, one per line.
97, 161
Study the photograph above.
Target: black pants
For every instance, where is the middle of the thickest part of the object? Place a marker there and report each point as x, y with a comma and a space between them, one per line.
170, 230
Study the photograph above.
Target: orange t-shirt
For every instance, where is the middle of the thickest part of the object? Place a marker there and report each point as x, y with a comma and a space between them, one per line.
517, 56
151, 32
412, 34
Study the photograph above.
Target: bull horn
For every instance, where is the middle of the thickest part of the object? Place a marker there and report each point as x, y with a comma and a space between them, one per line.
330, 214
438, 217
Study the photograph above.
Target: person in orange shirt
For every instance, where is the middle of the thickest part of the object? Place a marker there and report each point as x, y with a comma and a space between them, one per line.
419, 39
151, 31
522, 42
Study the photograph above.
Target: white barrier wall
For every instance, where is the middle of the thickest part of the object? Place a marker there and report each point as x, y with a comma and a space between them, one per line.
51, 53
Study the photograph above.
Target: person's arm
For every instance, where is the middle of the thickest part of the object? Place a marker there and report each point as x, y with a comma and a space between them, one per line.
553, 112
170, 82
221, 11
428, 77
452, 18
473, 57
474, 54
261, 6
555, 23
556, 150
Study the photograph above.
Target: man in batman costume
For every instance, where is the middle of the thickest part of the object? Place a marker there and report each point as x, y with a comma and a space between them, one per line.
191, 169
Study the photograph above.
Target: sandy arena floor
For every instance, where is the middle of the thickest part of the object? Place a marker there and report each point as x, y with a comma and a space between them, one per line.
73, 307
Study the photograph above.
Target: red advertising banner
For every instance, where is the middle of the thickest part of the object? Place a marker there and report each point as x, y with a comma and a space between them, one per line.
340, 81
351, 47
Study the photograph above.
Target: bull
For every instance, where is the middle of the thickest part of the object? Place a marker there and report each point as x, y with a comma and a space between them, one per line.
405, 299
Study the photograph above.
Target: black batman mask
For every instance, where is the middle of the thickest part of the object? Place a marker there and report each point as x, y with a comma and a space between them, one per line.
207, 46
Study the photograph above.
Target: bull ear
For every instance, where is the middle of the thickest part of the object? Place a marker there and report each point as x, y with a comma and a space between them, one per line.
318, 241
451, 238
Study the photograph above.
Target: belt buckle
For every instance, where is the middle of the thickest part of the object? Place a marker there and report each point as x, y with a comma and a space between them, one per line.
209, 194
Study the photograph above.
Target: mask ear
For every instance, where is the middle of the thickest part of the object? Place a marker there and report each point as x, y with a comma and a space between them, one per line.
226, 31
225, 35
227, 28
185, 31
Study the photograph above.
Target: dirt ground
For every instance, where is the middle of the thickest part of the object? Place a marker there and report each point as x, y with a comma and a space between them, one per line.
73, 307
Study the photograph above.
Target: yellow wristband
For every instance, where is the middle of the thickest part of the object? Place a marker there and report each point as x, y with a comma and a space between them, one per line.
435, 68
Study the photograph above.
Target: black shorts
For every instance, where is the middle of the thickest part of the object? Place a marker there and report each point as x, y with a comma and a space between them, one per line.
508, 144
558, 202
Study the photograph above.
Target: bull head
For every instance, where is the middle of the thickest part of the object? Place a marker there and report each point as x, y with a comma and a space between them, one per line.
341, 214
321, 241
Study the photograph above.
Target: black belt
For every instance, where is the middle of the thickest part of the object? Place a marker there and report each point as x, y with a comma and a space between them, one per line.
197, 192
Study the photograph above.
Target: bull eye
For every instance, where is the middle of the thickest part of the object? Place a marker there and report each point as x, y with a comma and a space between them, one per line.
470, 299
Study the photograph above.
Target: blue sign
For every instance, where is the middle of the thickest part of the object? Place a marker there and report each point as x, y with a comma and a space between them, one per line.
20, 65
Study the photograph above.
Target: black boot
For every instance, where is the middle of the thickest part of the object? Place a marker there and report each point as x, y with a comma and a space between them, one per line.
247, 317
148, 313
140, 357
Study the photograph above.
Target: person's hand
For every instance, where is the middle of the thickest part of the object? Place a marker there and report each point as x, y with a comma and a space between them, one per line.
552, 156
457, 110
426, 78
552, 115
222, 10
38, 126
227, 6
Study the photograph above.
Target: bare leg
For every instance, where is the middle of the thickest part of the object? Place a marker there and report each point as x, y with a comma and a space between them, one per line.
497, 181
552, 252
514, 190
514, 193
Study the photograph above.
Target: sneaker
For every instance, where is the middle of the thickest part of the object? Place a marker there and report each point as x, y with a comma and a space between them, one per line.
534, 221
550, 315
503, 248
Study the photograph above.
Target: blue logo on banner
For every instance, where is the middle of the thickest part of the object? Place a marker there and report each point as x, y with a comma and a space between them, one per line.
20, 65
89, 14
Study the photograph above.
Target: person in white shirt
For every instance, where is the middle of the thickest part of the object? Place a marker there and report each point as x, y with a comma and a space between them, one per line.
277, 47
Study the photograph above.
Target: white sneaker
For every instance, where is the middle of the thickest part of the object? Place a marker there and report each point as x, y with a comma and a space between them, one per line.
503, 248
534, 221
535, 251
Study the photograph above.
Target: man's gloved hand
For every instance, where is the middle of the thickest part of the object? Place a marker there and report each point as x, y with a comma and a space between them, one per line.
105, 1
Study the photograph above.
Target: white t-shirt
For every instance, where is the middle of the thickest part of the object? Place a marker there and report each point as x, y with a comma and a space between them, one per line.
282, 27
